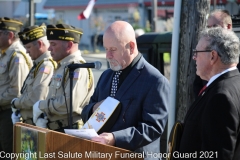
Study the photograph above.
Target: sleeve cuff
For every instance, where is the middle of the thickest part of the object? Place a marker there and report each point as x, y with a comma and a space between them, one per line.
16, 104
43, 106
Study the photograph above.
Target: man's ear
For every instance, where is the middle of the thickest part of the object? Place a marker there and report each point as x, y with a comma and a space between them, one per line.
229, 26
40, 43
10, 34
132, 46
69, 45
214, 57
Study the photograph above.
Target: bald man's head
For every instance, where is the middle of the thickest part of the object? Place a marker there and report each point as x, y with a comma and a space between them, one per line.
220, 18
122, 31
120, 44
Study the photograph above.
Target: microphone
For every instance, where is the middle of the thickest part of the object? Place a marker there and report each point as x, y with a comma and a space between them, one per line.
96, 65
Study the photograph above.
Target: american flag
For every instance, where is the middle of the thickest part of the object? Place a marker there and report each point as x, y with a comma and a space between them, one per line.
45, 70
76, 74
86, 13
18, 60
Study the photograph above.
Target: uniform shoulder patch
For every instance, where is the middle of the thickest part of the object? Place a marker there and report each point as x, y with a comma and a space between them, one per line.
45, 70
18, 60
76, 75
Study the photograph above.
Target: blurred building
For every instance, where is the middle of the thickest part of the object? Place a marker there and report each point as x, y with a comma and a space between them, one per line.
7, 8
136, 12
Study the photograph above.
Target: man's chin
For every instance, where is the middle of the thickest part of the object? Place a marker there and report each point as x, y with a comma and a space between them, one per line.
115, 68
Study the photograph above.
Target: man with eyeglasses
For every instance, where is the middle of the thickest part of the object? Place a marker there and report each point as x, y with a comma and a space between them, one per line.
217, 18
212, 124
14, 67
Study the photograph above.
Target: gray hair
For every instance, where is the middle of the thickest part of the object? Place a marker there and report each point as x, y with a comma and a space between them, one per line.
224, 42
6, 32
43, 39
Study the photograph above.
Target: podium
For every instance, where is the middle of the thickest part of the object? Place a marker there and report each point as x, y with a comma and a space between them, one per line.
32, 142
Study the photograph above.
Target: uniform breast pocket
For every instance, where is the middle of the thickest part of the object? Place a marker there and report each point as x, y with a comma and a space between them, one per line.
56, 83
29, 81
3, 71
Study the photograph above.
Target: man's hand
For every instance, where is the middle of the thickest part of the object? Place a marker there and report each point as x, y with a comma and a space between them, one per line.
14, 109
105, 138
97, 105
41, 122
15, 118
36, 111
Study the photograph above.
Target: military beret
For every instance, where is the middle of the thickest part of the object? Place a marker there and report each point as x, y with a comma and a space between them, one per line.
32, 33
64, 32
10, 24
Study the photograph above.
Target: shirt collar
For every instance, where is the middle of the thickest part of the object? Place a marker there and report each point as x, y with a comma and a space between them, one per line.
219, 74
135, 60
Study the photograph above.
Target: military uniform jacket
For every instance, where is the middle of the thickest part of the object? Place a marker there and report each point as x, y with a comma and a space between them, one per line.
55, 106
35, 87
13, 71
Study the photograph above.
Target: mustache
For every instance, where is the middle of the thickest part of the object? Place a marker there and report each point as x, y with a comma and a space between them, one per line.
111, 60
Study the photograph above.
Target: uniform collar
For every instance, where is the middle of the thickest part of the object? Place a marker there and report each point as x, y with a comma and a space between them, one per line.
15, 46
3, 51
44, 56
71, 58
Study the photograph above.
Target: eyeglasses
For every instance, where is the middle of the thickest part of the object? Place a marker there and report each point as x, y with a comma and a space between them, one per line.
196, 51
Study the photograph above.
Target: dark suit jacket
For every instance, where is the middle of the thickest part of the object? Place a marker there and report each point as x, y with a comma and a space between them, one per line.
199, 83
145, 98
212, 122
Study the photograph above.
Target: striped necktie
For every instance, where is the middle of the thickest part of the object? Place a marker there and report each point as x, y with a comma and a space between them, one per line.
115, 82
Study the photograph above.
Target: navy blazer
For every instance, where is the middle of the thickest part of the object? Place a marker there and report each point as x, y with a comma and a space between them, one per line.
145, 98
212, 123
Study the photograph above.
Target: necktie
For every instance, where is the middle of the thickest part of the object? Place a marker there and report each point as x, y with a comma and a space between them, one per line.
201, 91
115, 82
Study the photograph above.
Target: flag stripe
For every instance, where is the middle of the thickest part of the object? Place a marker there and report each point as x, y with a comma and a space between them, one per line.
86, 13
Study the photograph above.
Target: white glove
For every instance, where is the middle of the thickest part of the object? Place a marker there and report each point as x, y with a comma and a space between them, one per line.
15, 118
12, 105
36, 111
42, 122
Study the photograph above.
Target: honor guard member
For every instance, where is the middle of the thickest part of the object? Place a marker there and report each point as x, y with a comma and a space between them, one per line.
64, 40
35, 86
14, 67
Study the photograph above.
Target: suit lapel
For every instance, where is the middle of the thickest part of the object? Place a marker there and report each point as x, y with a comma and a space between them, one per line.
132, 76
197, 100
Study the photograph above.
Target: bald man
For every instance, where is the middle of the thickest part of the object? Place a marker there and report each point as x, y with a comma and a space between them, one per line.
220, 18
141, 89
